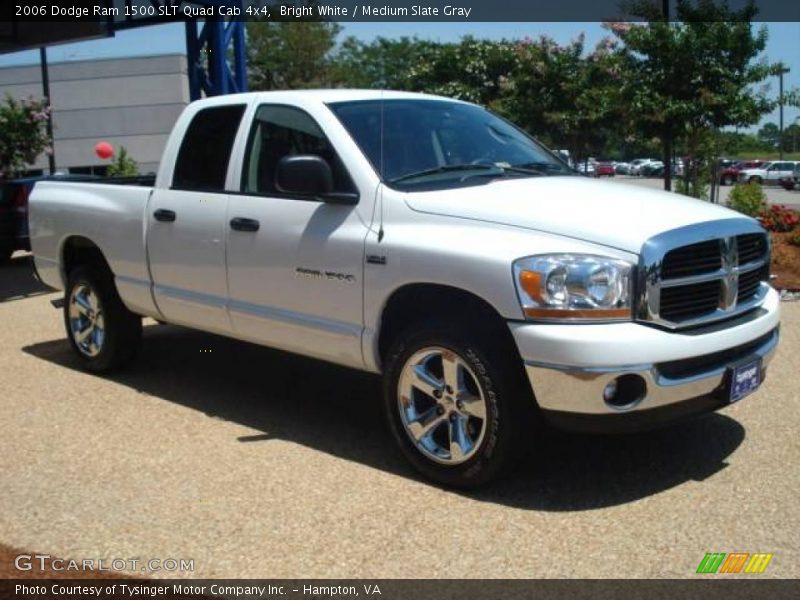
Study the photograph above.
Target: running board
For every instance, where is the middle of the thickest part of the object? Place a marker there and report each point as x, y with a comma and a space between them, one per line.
57, 303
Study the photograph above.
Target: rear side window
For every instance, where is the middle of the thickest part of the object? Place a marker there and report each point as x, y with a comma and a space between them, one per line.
206, 149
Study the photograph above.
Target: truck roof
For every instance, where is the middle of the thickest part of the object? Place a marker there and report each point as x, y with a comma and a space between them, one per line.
321, 95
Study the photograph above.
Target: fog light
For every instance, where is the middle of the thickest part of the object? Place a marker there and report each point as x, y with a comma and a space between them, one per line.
610, 391
624, 392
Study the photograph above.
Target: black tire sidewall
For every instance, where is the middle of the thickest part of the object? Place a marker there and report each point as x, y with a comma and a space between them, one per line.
496, 448
122, 328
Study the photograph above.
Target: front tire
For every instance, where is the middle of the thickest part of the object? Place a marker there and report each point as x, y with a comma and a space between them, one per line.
453, 405
102, 331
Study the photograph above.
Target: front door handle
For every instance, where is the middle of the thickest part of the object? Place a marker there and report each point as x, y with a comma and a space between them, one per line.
164, 215
242, 224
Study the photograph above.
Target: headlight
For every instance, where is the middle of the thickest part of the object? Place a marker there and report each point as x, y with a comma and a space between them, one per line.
574, 286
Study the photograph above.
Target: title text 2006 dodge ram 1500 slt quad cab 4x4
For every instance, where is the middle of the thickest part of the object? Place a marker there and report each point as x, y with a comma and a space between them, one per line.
433, 242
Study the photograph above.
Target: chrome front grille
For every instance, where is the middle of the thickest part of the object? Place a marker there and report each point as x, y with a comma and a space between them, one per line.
702, 273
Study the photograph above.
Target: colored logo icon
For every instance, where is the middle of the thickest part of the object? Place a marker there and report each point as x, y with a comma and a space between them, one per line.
735, 562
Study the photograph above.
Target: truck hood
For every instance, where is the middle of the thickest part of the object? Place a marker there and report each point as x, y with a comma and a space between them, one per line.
611, 214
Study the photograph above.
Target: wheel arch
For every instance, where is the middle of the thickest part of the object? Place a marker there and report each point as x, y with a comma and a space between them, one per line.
78, 251
414, 303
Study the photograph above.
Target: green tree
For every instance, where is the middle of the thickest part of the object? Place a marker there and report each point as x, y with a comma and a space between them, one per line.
570, 98
123, 165
732, 143
23, 134
380, 64
769, 135
686, 78
290, 55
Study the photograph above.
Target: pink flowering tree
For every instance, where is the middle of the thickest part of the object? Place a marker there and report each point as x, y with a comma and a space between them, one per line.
23, 134
567, 94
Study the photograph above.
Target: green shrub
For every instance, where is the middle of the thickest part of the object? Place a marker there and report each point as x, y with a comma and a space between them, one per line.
747, 198
694, 188
123, 165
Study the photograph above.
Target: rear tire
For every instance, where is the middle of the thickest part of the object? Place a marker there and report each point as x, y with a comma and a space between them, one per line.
454, 403
104, 334
727, 180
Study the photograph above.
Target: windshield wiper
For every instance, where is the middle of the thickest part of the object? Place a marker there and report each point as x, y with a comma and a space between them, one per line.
442, 169
540, 166
486, 170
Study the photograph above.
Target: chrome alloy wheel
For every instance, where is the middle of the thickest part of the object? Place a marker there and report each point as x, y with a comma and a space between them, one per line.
86, 321
442, 406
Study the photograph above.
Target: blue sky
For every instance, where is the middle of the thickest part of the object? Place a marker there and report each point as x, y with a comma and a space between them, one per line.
783, 45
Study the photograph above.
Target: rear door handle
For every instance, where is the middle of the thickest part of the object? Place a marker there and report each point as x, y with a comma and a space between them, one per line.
164, 215
242, 224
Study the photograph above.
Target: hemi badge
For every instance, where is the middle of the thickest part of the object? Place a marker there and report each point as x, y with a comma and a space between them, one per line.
374, 259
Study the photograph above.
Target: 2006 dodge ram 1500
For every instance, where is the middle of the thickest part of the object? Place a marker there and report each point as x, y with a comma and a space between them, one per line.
433, 242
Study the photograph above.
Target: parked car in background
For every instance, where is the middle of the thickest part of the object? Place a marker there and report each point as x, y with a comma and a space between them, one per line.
637, 164
769, 173
654, 168
791, 182
728, 175
622, 168
604, 170
14, 216
587, 168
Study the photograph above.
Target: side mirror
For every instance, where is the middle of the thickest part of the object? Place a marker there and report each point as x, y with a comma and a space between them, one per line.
303, 174
309, 175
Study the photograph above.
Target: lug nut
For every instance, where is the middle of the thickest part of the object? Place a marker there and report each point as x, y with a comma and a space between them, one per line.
449, 389
437, 394
440, 410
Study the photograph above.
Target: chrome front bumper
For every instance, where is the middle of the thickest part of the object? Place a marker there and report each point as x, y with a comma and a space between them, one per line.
580, 390
683, 373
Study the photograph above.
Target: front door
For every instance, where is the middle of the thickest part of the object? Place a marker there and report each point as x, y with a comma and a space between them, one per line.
295, 264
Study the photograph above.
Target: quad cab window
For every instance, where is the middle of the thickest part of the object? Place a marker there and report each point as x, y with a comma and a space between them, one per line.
202, 162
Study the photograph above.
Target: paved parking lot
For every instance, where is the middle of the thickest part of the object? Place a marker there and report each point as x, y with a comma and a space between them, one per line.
256, 463
775, 194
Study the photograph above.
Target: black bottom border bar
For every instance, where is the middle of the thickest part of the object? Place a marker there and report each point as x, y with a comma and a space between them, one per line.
703, 586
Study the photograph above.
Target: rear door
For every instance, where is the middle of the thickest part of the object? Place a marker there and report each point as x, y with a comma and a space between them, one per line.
187, 224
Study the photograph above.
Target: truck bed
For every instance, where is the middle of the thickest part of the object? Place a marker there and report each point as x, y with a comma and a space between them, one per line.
110, 213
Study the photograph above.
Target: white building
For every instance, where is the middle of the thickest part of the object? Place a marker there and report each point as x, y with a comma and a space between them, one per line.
131, 102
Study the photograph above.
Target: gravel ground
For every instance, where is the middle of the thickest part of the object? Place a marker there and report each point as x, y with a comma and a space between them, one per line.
256, 463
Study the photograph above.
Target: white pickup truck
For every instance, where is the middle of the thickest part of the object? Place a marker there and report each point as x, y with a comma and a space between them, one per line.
431, 241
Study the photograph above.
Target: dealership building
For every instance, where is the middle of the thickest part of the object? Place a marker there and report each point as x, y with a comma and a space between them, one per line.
130, 102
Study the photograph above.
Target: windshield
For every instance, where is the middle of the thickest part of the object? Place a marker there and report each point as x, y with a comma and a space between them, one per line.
434, 143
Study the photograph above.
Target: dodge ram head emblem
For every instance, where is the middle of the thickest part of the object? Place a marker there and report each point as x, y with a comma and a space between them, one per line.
730, 268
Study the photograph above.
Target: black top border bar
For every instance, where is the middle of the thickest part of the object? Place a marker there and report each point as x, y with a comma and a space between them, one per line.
412, 11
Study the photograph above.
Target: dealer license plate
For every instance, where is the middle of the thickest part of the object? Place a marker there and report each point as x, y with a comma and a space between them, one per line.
745, 379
